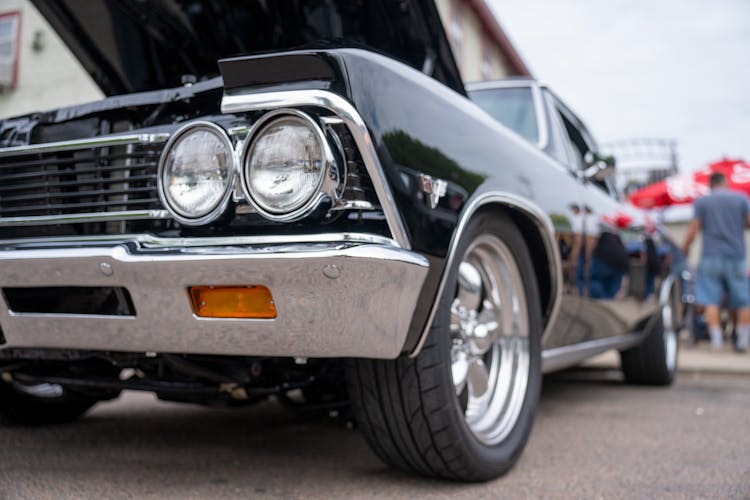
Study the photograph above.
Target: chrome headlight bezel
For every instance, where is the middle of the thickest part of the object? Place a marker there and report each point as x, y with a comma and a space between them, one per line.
221, 205
327, 186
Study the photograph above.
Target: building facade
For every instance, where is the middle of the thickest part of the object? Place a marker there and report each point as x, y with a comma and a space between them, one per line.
37, 71
480, 46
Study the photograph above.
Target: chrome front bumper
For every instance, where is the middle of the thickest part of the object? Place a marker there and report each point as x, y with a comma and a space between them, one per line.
365, 311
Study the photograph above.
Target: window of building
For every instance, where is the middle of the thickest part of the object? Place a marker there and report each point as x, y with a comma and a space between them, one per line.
10, 28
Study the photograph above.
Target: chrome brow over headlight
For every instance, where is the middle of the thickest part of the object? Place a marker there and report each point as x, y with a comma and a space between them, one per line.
346, 116
196, 173
287, 166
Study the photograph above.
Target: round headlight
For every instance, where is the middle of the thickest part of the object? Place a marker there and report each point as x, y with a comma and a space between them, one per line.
285, 165
196, 173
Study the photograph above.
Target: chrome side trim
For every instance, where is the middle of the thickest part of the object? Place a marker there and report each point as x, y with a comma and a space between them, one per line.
42, 220
563, 357
106, 140
546, 228
346, 112
151, 241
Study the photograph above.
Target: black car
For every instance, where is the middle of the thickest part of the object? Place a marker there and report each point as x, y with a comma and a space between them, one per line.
323, 215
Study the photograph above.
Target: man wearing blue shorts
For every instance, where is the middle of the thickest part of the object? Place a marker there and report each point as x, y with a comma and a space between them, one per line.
722, 216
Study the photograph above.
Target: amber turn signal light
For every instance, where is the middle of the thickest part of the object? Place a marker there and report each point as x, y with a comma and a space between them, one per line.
254, 302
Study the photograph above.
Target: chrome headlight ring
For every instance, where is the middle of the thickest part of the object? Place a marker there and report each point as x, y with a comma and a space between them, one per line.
217, 207
327, 186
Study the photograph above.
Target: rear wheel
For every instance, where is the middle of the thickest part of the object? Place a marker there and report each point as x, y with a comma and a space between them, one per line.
40, 404
654, 361
463, 408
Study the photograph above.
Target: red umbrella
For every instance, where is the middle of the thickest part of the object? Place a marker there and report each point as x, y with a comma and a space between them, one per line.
687, 188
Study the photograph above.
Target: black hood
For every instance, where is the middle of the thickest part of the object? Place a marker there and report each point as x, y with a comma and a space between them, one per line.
136, 45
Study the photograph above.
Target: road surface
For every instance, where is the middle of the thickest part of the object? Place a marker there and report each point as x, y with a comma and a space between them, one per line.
594, 437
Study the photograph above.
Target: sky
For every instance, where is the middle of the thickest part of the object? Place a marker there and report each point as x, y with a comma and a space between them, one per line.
675, 69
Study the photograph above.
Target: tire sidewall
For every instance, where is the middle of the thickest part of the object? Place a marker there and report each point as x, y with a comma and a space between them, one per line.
489, 461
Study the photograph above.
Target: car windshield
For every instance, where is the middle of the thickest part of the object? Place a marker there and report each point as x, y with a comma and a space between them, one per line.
511, 106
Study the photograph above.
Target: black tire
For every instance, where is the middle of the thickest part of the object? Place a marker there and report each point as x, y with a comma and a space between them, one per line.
648, 363
407, 408
18, 408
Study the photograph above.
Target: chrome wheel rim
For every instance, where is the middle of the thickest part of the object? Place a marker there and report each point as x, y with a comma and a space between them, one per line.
669, 330
489, 340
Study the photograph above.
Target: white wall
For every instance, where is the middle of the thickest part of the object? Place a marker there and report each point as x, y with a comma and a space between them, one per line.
49, 78
474, 43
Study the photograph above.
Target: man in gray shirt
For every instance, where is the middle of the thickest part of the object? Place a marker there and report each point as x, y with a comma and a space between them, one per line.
722, 216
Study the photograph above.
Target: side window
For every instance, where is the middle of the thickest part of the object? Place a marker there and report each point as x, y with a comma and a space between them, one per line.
511, 106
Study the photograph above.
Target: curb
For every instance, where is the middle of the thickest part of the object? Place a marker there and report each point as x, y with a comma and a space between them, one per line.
695, 360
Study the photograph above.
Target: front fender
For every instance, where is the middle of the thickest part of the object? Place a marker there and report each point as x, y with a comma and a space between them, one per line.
419, 127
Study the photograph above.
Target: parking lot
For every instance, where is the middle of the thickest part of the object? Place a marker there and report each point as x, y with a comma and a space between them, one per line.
594, 438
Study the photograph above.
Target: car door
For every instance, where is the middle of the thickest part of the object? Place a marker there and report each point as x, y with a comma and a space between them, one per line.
612, 299
520, 105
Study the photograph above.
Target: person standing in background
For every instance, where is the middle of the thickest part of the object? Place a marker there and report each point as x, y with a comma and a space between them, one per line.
577, 256
722, 216
607, 258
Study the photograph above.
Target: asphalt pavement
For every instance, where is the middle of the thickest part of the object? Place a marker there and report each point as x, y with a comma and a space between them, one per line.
594, 437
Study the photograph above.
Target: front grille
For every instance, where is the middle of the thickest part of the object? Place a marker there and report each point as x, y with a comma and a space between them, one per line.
109, 178
107, 185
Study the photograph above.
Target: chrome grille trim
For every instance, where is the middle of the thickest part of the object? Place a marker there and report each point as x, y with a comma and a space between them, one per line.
90, 184
42, 220
93, 142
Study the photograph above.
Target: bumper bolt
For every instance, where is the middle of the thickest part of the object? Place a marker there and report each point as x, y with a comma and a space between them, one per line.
331, 271
106, 269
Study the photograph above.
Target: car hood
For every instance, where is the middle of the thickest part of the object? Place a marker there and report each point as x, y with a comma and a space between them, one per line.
133, 45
